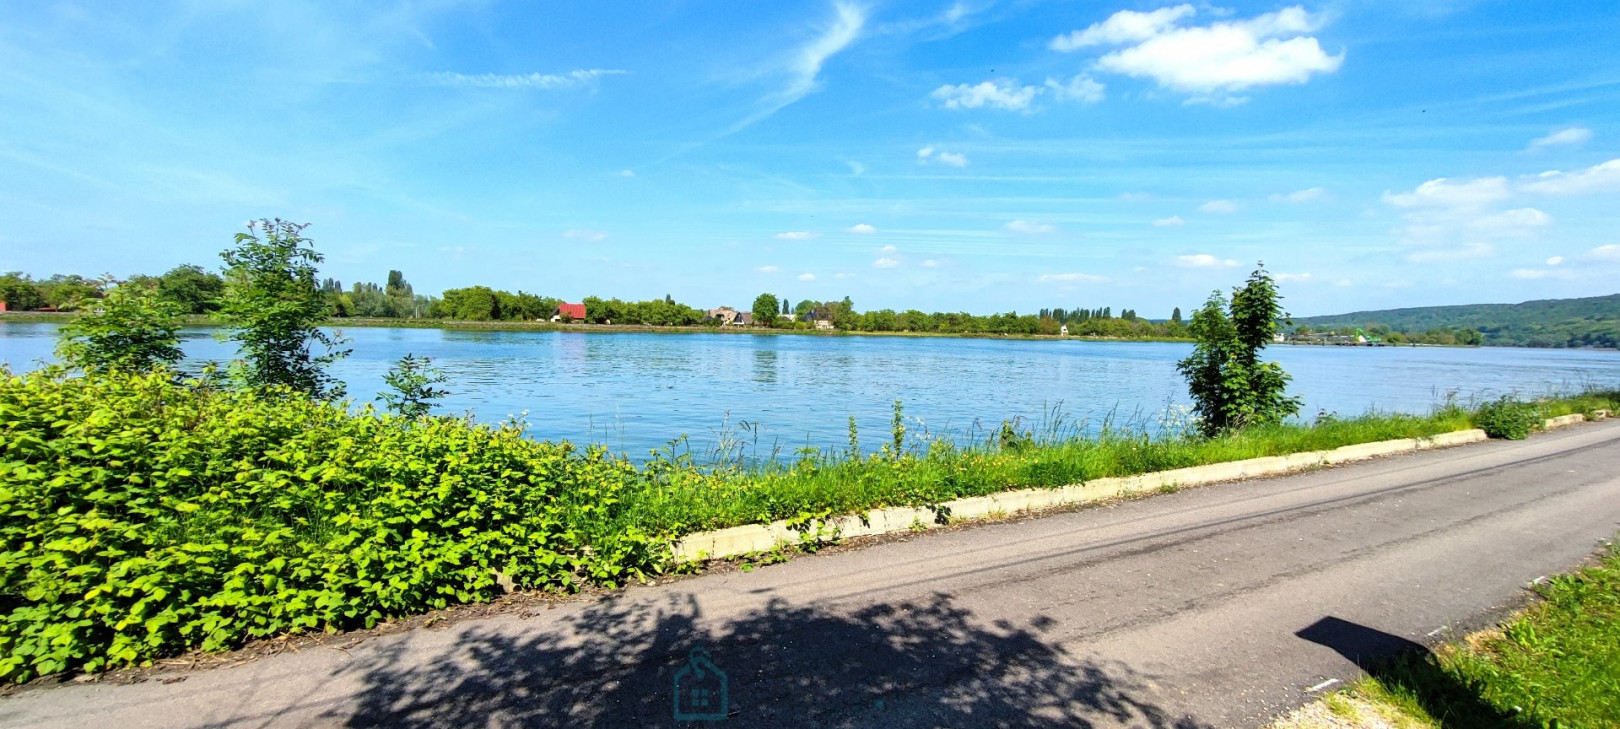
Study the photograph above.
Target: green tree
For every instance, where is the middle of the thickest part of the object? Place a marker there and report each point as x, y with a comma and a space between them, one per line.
129, 329
1175, 315
273, 309
68, 292
196, 291
765, 310
17, 290
412, 380
1231, 388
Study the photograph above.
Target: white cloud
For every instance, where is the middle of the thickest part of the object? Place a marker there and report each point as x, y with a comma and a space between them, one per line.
1597, 178
1219, 206
627, 173
768, 269
888, 249
1443, 192
1466, 252
1530, 273
1555, 260
580, 234
862, 228
1204, 260
855, 168
1029, 227
1219, 58
930, 263
541, 81
1135, 196
1609, 252
843, 275
1081, 88
1344, 283
1072, 278
1299, 196
794, 235
1512, 222
997, 94
1284, 277
1170, 221
1570, 137
807, 277
885, 262
1125, 26
803, 66
946, 158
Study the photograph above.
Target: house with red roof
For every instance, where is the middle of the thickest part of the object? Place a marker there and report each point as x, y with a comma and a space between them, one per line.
572, 312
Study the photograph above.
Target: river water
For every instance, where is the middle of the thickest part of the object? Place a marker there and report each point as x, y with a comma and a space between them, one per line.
636, 391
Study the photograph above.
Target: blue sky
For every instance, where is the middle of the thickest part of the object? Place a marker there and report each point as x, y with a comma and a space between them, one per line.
980, 156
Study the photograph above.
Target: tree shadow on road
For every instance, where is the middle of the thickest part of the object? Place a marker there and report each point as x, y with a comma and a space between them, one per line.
1406, 668
614, 664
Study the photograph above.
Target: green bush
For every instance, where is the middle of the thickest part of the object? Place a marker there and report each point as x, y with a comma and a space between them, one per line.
1507, 418
140, 518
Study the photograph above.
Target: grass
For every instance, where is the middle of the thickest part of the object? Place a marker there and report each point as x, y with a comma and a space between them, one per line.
1556, 664
916, 471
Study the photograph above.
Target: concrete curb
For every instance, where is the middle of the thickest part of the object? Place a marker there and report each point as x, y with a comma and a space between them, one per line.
755, 538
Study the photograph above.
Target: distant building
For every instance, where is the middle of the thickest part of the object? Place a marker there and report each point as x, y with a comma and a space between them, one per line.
2, 306
574, 312
1063, 331
824, 324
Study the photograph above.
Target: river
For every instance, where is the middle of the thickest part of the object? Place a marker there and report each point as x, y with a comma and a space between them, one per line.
634, 392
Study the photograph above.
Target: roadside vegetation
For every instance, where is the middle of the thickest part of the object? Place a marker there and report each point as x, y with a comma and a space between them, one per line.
144, 512
1557, 664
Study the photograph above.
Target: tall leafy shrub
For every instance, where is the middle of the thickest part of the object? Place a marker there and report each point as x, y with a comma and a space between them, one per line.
128, 329
1231, 387
274, 306
140, 517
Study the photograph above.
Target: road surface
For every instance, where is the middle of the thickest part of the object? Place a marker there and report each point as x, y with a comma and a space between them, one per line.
1217, 606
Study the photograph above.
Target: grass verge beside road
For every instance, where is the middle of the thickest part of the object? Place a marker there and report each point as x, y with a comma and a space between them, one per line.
1556, 664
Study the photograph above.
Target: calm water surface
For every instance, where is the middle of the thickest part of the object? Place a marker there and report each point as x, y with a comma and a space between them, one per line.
635, 392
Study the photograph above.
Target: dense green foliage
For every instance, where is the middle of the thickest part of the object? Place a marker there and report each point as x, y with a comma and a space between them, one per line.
129, 329
766, 310
139, 517
393, 300
1586, 322
1508, 418
411, 382
1556, 664
665, 312
274, 308
1230, 386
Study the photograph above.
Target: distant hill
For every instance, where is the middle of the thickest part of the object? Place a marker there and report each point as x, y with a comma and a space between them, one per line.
1588, 322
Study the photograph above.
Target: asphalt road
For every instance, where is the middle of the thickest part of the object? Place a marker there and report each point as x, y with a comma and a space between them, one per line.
1217, 606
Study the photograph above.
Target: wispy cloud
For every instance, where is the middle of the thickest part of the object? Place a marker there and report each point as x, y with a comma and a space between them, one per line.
582, 234
1029, 227
862, 228
886, 262
1204, 260
1597, 178
952, 159
1567, 137
803, 67
795, 235
1219, 207
1072, 278
1298, 196
1291, 277
540, 81
807, 277
768, 269
1171, 221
